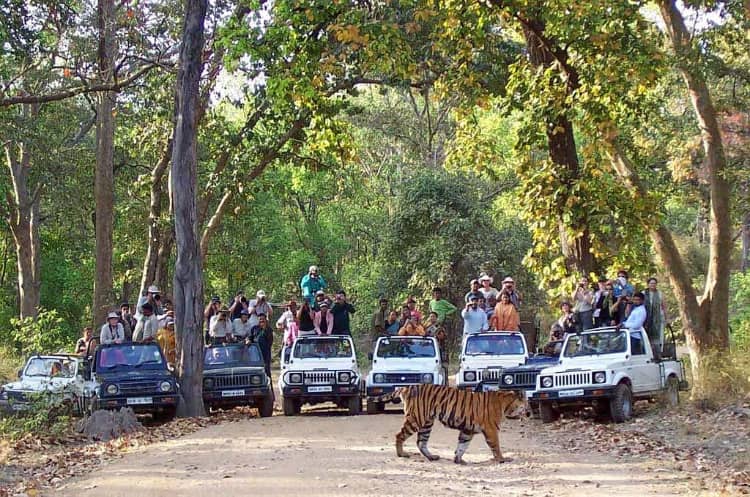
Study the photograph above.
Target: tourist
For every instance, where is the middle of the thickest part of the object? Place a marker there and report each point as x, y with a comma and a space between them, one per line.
311, 283
112, 331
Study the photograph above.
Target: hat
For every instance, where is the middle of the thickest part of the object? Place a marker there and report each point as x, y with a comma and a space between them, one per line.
260, 294
313, 269
112, 315
215, 299
320, 292
485, 277
475, 296
244, 312
340, 292
153, 289
508, 279
474, 281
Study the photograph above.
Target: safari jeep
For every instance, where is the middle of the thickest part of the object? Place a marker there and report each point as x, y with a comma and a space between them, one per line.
133, 375
399, 361
57, 377
484, 356
607, 369
320, 369
234, 375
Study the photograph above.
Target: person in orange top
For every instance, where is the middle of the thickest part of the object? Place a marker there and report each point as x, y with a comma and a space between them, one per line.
506, 316
412, 328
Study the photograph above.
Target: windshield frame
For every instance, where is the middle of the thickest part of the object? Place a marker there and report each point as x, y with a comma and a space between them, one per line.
131, 347
60, 359
494, 336
323, 340
249, 363
397, 339
580, 336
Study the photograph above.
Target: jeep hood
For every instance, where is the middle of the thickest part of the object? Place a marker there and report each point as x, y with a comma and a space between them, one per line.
146, 374
587, 363
492, 361
425, 364
39, 384
344, 364
233, 371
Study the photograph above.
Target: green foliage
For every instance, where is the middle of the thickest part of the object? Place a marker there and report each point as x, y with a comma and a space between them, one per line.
739, 311
44, 334
47, 415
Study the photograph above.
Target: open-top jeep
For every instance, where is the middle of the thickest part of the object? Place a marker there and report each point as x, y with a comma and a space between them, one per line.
321, 369
400, 361
234, 375
133, 375
607, 369
484, 357
58, 378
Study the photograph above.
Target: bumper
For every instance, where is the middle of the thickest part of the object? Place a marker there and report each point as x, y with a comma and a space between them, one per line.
575, 396
236, 396
322, 392
15, 406
380, 390
153, 403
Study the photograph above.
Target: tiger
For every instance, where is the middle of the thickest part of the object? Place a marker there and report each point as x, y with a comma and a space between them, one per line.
463, 410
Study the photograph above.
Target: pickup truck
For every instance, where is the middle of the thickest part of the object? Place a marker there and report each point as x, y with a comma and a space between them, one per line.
607, 369
133, 375
320, 369
234, 375
399, 361
57, 377
484, 357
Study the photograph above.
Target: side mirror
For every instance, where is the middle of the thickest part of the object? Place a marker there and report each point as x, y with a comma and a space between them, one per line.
369, 356
20, 372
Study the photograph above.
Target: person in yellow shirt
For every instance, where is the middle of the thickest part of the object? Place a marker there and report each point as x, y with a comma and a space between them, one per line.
412, 328
166, 339
506, 317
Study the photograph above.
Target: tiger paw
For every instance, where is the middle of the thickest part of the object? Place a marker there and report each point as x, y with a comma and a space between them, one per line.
501, 460
433, 457
403, 454
458, 460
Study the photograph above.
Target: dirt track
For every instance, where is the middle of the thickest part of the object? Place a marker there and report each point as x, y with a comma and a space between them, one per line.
328, 453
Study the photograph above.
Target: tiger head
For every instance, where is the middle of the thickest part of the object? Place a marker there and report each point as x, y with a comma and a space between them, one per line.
513, 404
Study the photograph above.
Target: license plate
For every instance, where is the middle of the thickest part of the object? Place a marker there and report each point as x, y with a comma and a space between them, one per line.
140, 400
232, 393
490, 387
320, 389
570, 393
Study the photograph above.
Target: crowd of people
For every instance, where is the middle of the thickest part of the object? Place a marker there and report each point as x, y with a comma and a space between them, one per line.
608, 303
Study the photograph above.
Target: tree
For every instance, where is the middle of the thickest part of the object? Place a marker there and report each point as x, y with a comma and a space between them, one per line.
188, 274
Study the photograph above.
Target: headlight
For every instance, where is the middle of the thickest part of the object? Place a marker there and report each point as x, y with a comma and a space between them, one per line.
547, 382
208, 383
112, 389
427, 378
600, 377
344, 377
255, 379
3, 394
508, 379
470, 376
295, 378
165, 386
379, 378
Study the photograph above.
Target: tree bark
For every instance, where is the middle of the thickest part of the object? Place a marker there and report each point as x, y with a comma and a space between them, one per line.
715, 299
104, 183
188, 277
23, 220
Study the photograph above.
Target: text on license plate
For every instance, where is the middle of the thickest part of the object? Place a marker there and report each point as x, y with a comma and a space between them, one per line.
570, 393
232, 393
140, 400
320, 389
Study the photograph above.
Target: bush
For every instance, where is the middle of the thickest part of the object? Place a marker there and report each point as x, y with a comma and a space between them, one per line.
739, 311
44, 334
10, 363
723, 378
44, 417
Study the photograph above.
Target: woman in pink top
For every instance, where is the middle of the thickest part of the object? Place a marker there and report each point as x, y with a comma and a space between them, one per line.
323, 319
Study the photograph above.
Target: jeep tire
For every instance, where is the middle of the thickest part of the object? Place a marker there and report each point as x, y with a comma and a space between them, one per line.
671, 395
290, 406
354, 405
266, 407
621, 404
548, 413
374, 407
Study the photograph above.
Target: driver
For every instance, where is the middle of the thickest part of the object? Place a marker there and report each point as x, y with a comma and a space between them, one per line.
215, 356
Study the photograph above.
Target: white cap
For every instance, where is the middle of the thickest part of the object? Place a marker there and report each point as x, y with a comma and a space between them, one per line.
112, 315
485, 277
153, 289
313, 269
260, 294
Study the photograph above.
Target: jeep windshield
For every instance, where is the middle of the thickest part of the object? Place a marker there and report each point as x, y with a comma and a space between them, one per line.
406, 348
53, 367
232, 356
130, 356
598, 343
322, 348
494, 345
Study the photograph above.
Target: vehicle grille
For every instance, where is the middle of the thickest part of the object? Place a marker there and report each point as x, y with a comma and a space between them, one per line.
490, 375
17, 396
403, 377
320, 378
237, 380
572, 379
525, 379
138, 387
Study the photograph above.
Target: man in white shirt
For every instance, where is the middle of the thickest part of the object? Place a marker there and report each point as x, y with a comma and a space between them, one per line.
220, 329
241, 326
475, 319
148, 325
637, 316
112, 331
259, 306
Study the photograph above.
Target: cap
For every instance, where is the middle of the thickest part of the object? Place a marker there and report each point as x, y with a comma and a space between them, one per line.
320, 292
260, 294
475, 296
508, 280
244, 312
474, 281
112, 315
215, 299
313, 269
153, 289
124, 304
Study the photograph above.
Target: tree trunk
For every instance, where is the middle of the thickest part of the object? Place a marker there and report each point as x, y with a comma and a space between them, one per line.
104, 183
188, 277
161, 276
23, 220
564, 154
715, 299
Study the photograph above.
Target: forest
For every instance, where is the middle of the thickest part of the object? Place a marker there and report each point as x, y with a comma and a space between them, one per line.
398, 145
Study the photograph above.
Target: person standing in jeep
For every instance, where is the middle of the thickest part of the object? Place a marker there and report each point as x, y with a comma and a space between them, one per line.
341, 310
262, 334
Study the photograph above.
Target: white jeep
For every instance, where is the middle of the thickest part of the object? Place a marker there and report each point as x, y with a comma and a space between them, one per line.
607, 369
58, 377
320, 369
399, 361
484, 356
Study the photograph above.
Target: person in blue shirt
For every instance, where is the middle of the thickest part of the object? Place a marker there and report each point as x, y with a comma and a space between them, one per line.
311, 283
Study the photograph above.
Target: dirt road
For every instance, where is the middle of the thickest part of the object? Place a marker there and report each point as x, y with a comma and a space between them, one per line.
327, 454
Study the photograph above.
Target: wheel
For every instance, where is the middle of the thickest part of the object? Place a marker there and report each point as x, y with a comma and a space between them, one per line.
534, 410
354, 405
548, 413
374, 407
266, 407
671, 396
165, 416
290, 407
602, 411
621, 405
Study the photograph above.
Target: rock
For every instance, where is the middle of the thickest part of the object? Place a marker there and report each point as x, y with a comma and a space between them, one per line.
107, 425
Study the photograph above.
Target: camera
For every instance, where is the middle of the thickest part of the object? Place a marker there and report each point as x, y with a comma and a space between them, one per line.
157, 296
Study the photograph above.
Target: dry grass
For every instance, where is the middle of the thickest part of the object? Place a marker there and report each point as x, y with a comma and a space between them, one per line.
722, 379
10, 363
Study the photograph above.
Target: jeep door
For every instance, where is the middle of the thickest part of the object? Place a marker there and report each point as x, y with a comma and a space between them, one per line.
642, 370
